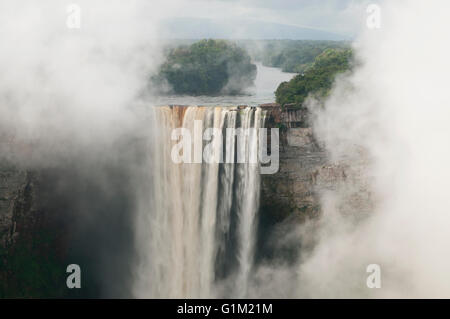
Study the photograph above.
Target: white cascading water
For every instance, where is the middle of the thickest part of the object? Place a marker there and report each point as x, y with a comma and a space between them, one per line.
248, 185
196, 230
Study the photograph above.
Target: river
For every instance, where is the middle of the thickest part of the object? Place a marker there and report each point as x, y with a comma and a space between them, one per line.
266, 83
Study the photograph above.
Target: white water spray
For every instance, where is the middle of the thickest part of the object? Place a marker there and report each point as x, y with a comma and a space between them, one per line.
200, 230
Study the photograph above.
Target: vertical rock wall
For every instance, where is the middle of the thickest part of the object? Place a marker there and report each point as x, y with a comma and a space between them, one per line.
293, 189
13, 185
306, 172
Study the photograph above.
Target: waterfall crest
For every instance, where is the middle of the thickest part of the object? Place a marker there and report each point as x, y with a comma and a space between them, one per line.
196, 229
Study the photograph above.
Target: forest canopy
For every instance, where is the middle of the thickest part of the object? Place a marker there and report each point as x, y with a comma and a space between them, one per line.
294, 56
317, 80
207, 67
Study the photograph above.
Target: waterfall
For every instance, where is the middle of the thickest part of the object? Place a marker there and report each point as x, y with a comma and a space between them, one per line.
196, 230
247, 195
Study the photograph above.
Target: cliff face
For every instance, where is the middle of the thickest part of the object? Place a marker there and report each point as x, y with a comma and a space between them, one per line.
31, 239
20, 212
13, 185
306, 172
293, 188
305, 180
39, 209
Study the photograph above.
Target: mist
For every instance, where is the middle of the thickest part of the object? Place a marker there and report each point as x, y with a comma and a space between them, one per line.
74, 85
72, 111
395, 107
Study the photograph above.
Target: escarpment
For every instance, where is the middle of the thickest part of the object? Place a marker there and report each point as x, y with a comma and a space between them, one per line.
51, 217
304, 171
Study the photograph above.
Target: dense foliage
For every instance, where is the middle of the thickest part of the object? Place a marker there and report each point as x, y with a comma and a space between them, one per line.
207, 67
295, 56
317, 80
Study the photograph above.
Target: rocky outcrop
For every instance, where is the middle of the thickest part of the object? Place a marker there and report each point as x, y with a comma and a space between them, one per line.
21, 201
292, 188
13, 186
31, 238
306, 172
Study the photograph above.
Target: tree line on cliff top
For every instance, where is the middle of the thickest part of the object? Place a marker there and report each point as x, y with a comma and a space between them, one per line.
293, 56
317, 80
213, 67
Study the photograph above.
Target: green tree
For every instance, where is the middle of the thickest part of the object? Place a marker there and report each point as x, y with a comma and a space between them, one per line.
207, 67
317, 80
295, 55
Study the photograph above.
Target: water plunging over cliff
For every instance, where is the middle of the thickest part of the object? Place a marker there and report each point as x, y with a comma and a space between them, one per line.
196, 229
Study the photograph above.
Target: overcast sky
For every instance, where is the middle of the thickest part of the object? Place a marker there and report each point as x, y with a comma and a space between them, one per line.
339, 16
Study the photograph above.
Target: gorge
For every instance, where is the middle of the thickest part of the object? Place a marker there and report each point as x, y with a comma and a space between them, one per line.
174, 230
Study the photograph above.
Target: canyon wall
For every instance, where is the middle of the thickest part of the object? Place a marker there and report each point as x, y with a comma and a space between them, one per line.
306, 172
39, 209
31, 237
293, 189
13, 189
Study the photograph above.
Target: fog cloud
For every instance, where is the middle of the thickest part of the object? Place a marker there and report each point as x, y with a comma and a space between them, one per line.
396, 107
71, 109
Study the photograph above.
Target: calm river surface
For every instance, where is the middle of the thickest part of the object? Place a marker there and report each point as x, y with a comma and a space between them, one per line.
267, 81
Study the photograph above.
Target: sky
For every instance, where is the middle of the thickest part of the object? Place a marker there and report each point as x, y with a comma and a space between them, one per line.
338, 16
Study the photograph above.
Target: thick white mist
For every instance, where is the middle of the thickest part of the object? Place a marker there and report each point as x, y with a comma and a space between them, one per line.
70, 100
396, 105
73, 88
